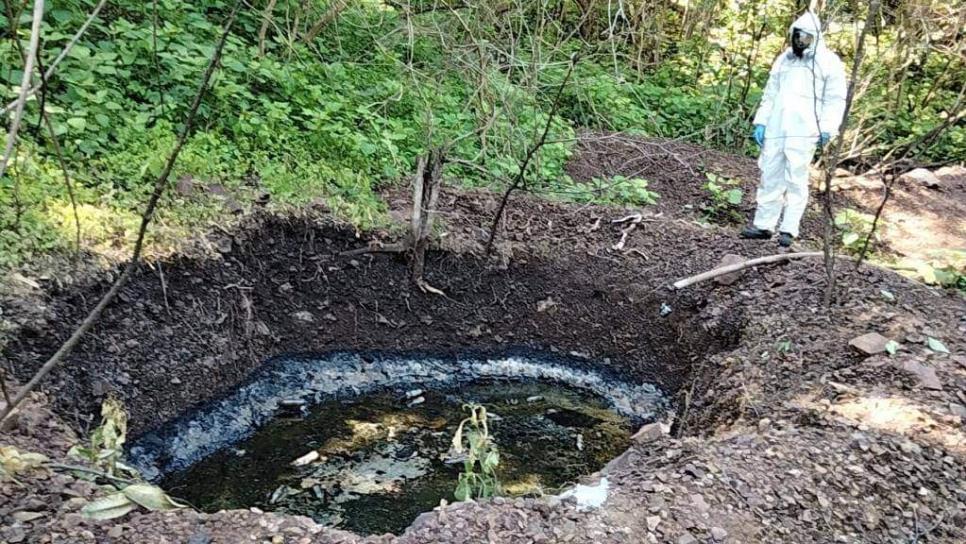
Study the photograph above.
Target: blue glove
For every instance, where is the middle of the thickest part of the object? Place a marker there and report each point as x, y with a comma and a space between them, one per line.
759, 134
824, 138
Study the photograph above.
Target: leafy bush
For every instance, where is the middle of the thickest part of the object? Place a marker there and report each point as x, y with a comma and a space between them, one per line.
854, 228
618, 190
725, 198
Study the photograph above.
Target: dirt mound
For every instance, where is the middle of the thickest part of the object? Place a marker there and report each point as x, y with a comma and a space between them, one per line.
784, 431
924, 219
676, 170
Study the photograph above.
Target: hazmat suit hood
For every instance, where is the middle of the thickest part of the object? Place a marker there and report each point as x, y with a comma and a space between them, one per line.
809, 22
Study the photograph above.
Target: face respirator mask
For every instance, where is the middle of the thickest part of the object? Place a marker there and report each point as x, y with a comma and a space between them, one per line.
801, 41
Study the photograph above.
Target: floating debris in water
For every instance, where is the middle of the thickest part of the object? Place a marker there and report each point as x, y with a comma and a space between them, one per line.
373, 465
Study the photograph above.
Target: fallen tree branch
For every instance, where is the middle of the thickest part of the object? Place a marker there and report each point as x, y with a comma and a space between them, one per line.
63, 54
159, 186
28, 69
330, 15
711, 274
376, 248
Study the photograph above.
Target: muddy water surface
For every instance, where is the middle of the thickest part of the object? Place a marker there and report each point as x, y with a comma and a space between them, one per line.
380, 460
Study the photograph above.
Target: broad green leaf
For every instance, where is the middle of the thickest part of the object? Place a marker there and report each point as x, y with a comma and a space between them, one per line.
151, 497
60, 15
936, 345
79, 52
891, 347
850, 238
77, 122
491, 461
110, 507
734, 196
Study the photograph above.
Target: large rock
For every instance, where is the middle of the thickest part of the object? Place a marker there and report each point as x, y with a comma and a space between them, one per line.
925, 374
870, 344
921, 177
648, 433
729, 259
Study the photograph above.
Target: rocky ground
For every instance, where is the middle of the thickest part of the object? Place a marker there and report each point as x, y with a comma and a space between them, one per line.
785, 432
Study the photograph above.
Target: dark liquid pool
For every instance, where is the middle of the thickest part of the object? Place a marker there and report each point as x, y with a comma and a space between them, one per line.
382, 458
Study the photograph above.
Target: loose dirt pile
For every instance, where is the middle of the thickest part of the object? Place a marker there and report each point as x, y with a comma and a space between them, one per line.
785, 433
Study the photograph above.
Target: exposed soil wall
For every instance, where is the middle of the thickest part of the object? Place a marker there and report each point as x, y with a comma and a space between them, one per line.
284, 288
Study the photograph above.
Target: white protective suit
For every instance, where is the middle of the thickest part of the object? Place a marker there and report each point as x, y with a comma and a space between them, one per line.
804, 97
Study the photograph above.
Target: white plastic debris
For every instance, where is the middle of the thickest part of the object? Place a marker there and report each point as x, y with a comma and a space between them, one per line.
588, 497
306, 459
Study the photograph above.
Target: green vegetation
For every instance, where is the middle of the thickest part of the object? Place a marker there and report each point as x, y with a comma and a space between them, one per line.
616, 190
725, 197
853, 227
478, 479
331, 101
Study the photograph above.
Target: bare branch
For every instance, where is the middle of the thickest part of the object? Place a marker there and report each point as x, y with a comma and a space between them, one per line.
28, 69
159, 186
828, 247
529, 156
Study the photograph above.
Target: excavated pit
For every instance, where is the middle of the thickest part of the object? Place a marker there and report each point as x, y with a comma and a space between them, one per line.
363, 442
198, 350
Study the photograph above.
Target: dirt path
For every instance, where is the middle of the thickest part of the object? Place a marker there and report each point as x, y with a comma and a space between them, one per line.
789, 434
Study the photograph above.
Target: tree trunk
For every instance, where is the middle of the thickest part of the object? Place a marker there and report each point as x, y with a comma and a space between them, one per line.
330, 14
426, 185
266, 21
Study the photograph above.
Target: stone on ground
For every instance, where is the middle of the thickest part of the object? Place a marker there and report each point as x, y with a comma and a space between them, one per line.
870, 344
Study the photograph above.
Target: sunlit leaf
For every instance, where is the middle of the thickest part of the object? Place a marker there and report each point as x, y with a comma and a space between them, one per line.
110, 507
936, 345
151, 497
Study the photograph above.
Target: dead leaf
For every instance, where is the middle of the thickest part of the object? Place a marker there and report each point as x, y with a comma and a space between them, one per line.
151, 497
110, 507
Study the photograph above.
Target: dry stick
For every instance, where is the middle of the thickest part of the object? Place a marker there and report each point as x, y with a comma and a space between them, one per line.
529, 156
330, 15
63, 54
67, 181
45, 118
711, 274
28, 69
159, 186
828, 249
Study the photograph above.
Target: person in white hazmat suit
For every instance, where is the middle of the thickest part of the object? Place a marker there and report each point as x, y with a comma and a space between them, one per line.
800, 109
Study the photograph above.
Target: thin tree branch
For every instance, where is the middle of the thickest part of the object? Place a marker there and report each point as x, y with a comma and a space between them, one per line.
266, 22
28, 69
45, 118
828, 247
159, 186
714, 273
518, 179
926, 139
330, 14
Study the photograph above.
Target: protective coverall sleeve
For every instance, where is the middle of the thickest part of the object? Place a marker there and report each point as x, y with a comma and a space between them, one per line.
769, 95
833, 99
